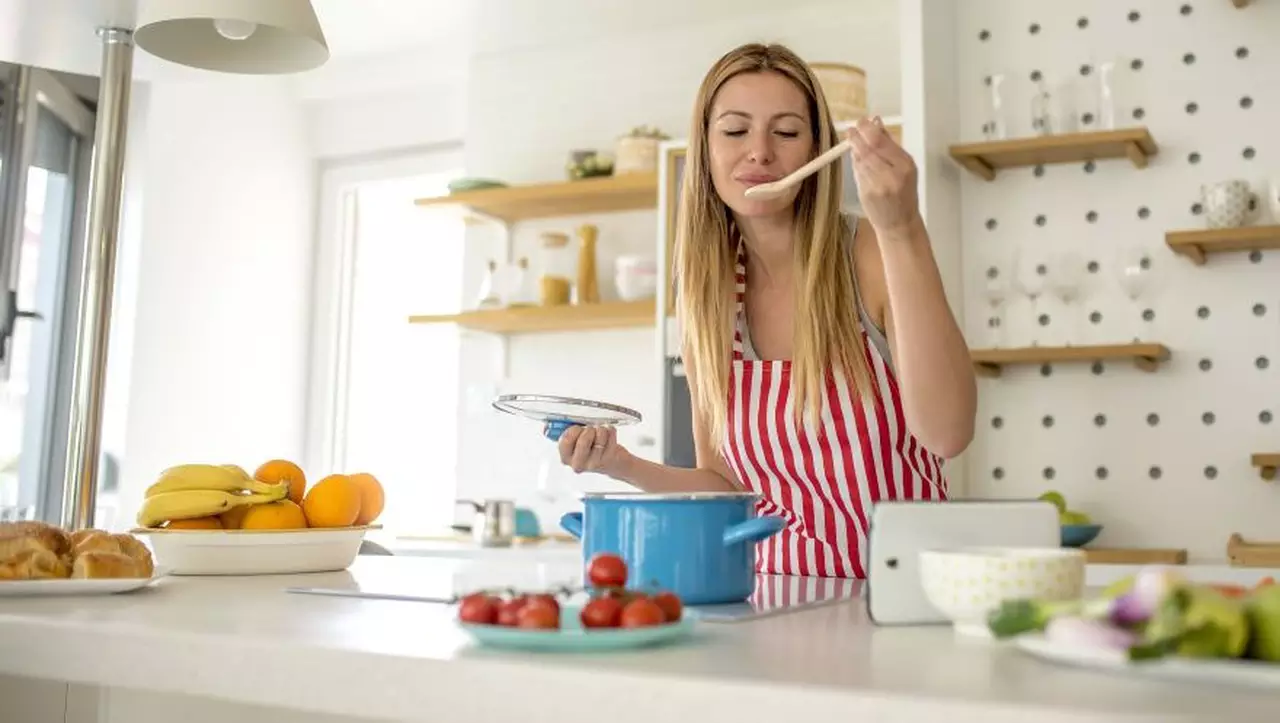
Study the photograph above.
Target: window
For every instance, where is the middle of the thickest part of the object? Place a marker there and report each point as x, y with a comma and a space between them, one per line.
385, 393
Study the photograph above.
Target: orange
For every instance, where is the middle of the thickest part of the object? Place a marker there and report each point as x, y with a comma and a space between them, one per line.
282, 470
372, 497
232, 518
281, 515
332, 502
194, 523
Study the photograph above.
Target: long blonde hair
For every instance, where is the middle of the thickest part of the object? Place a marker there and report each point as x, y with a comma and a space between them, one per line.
827, 336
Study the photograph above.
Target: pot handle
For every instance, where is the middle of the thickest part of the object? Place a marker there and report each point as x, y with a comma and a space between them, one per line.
556, 427
752, 530
571, 522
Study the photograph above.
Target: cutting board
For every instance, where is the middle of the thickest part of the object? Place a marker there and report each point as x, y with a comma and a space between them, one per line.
1135, 556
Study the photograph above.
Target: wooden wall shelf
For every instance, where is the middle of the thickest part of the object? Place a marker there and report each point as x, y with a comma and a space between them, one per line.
1268, 464
628, 192
1243, 553
1197, 245
535, 319
1134, 556
989, 362
984, 159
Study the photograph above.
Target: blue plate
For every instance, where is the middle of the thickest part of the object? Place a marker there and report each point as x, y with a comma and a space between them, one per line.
572, 637
1079, 535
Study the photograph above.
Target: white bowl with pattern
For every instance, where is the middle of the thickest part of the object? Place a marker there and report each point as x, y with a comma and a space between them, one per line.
967, 583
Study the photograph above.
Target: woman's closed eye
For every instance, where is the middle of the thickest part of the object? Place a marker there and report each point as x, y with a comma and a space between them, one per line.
783, 134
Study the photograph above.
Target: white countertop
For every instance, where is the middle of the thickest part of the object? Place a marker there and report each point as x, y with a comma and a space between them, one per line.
245, 639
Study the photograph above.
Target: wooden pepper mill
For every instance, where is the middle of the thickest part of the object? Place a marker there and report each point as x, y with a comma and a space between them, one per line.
588, 287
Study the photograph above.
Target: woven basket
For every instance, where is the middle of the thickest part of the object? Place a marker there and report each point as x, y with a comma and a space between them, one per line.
846, 89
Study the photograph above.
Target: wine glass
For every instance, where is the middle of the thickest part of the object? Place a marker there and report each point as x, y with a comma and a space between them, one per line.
1031, 270
1066, 280
995, 278
1133, 273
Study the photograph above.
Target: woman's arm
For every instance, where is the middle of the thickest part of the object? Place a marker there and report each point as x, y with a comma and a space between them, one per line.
930, 356
710, 474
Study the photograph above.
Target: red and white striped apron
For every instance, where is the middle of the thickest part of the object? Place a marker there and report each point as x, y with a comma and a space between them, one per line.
823, 478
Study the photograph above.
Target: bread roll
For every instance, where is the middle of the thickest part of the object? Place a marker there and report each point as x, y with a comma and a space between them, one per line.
99, 542
80, 535
97, 565
52, 537
33, 563
134, 548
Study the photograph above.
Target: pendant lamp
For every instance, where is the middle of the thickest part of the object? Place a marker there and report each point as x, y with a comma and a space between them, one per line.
233, 36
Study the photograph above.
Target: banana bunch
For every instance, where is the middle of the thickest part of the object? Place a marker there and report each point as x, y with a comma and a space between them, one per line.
202, 490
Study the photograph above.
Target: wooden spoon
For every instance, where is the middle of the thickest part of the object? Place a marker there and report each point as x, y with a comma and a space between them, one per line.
776, 188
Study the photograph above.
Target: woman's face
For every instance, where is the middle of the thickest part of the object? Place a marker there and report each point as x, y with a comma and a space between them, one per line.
759, 132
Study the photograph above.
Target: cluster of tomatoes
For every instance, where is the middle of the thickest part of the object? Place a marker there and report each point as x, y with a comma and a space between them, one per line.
612, 605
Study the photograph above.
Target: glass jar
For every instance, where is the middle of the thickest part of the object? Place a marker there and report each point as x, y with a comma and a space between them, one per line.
556, 268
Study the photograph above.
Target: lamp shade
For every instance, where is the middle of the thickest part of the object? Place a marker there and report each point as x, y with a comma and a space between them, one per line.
233, 36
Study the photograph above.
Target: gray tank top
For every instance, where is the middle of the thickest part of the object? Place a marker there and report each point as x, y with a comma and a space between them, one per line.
874, 332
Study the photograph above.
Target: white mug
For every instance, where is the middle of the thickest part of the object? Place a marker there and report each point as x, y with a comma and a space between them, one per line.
1228, 204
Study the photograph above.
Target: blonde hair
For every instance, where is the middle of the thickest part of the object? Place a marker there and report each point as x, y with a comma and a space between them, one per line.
827, 335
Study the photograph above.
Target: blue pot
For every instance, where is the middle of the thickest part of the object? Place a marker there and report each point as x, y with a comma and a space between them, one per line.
700, 546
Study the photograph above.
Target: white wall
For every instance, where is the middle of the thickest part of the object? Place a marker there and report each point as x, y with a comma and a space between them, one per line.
219, 353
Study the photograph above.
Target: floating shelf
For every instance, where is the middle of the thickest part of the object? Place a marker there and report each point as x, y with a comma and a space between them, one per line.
985, 158
989, 362
1243, 553
1241, 3
1134, 556
1197, 245
627, 192
1268, 464
535, 319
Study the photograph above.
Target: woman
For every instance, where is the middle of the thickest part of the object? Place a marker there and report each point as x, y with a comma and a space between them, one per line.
826, 369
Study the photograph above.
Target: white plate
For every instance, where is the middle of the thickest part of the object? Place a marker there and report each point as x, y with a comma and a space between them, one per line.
69, 586
1248, 673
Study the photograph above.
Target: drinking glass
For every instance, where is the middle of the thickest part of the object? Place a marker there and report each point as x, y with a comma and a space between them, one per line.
1133, 273
995, 274
1066, 279
1031, 270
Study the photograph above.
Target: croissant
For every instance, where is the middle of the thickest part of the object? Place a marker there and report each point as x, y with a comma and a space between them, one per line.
97, 542
39, 551
133, 547
80, 535
27, 558
94, 564
52, 537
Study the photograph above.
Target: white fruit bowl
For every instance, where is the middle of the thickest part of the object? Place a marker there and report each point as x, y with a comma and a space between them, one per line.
255, 552
967, 583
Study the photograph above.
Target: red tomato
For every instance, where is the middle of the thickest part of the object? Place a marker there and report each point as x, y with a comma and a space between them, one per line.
545, 600
478, 609
507, 611
642, 613
607, 570
671, 605
538, 615
602, 612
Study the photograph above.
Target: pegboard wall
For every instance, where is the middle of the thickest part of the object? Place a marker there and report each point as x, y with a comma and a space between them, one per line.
1161, 459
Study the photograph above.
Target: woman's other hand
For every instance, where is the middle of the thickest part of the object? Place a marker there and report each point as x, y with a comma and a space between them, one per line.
593, 449
886, 176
